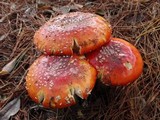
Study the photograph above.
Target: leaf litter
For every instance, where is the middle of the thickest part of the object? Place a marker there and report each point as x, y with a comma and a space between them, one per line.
12, 64
10, 109
136, 21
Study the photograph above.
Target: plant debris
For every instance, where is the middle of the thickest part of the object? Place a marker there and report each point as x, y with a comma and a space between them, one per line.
12, 64
10, 109
137, 21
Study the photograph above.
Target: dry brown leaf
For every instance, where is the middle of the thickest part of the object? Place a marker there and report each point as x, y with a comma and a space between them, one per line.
10, 109
3, 37
12, 64
68, 8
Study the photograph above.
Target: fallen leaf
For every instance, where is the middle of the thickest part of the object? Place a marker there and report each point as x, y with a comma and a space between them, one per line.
100, 12
64, 9
13, 6
89, 4
12, 64
68, 8
29, 12
3, 37
44, 7
8, 67
78, 5
10, 109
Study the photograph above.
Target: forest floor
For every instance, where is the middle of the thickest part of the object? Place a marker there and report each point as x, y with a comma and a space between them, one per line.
137, 21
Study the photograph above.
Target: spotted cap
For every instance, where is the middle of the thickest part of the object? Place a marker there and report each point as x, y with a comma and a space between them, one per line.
75, 32
54, 81
117, 63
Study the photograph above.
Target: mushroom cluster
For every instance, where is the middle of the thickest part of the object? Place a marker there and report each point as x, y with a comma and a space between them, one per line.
78, 49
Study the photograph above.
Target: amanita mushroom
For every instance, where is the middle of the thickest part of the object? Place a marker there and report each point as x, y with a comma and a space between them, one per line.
117, 63
75, 32
55, 80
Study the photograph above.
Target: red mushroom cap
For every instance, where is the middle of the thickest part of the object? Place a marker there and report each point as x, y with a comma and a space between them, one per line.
75, 32
55, 80
118, 62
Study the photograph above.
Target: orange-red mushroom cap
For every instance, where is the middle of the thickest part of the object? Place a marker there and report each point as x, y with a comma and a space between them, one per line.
75, 32
55, 80
117, 63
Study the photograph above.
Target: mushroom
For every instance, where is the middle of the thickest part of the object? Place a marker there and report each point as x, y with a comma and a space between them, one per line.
54, 81
117, 63
75, 32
